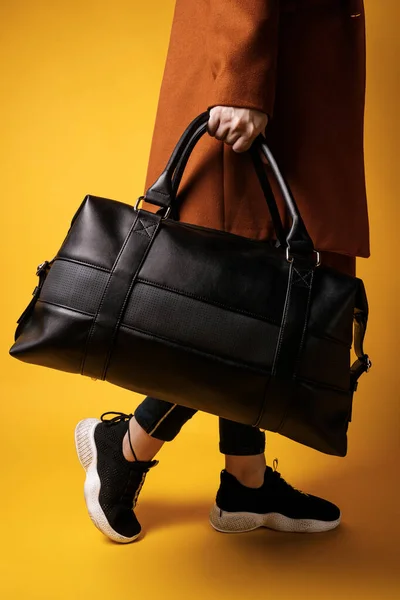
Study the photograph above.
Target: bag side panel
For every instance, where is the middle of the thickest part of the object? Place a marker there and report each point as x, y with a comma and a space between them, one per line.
98, 232
53, 337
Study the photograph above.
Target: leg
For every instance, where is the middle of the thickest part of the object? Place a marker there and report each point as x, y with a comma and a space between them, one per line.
252, 494
153, 423
116, 454
244, 448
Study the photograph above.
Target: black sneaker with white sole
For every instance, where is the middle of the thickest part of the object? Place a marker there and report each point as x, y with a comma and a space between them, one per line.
112, 484
276, 505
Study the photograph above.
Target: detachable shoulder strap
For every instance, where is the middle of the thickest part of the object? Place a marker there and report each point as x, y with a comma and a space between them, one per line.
363, 362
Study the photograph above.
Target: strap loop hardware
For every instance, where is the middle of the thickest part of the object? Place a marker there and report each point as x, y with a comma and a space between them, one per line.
165, 216
290, 259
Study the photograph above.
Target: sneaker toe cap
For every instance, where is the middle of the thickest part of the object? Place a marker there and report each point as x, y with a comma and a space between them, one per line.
324, 510
125, 524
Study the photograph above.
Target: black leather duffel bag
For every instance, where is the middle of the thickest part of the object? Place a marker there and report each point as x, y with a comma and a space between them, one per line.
254, 331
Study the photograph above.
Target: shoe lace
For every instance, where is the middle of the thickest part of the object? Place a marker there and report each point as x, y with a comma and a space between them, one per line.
119, 416
132, 489
283, 481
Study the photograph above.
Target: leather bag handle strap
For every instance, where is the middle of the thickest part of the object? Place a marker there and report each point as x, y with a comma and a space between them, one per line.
160, 193
297, 238
266, 187
164, 191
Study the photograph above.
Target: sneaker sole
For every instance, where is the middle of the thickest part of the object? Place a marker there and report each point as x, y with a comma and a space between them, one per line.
87, 454
240, 522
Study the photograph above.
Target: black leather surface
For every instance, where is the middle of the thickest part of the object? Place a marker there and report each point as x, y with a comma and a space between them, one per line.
202, 318
114, 299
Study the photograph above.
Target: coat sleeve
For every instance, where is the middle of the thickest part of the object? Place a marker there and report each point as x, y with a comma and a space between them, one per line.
242, 42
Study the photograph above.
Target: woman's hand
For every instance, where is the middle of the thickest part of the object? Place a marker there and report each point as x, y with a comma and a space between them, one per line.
237, 127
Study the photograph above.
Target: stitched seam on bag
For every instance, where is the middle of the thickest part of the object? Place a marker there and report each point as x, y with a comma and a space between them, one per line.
264, 242
90, 335
317, 384
82, 312
208, 301
81, 262
296, 281
297, 360
324, 386
283, 323
329, 338
72, 310
197, 351
158, 192
140, 231
303, 335
145, 228
279, 343
236, 310
229, 233
131, 285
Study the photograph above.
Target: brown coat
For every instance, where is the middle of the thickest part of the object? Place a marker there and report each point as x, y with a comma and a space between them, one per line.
302, 62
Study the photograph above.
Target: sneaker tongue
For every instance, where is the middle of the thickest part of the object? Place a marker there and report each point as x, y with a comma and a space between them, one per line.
271, 475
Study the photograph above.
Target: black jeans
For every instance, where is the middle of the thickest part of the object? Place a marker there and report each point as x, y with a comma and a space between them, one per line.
163, 420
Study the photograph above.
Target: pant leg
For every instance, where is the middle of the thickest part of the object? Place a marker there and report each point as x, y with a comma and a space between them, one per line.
160, 419
240, 440
164, 420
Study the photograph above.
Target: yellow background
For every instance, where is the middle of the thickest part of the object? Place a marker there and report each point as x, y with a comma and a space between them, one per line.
79, 90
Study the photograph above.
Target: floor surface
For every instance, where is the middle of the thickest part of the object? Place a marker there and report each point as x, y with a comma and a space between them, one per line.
51, 550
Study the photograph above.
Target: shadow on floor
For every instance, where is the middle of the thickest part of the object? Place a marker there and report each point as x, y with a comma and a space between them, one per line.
155, 515
364, 548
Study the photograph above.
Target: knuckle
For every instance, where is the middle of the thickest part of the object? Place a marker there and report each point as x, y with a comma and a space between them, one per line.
235, 123
250, 129
226, 113
221, 134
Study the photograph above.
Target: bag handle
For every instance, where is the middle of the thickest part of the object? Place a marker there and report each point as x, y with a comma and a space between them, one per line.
268, 193
163, 192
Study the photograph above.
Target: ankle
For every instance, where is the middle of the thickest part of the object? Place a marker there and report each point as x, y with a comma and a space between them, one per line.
248, 470
144, 446
251, 480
